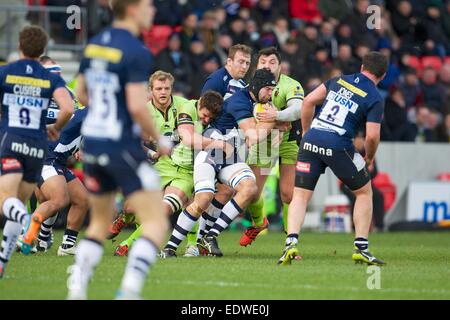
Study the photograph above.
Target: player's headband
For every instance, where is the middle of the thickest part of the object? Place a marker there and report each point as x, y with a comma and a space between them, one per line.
262, 78
53, 68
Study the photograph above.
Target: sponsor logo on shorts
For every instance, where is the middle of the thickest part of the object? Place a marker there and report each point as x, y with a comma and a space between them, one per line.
316, 149
303, 167
10, 164
26, 150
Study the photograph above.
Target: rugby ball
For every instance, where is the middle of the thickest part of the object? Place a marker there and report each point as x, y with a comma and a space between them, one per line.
259, 107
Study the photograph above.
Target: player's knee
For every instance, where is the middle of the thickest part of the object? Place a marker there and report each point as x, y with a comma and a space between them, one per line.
224, 191
81, 200
59, 201
286, 196
248, 189
201, 202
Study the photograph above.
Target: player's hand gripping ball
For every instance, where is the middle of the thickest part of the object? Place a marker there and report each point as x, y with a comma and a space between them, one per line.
264, 112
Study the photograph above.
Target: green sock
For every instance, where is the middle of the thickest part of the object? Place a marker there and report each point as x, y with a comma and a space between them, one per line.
136, 234
285, 216
257, 211
192, 236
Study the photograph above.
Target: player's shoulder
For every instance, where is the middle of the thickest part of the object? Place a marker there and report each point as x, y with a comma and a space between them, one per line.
113, 44
218, 76
369, 89
238, 100
189, 106
288, 81
3, 69
241, 96
179, 101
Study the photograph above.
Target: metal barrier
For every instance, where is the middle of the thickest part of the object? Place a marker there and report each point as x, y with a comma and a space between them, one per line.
43, 16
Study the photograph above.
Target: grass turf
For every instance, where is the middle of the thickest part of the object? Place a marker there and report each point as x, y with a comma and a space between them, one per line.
418, 267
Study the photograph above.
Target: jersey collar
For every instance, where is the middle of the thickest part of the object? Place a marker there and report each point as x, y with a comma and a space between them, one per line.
164, 114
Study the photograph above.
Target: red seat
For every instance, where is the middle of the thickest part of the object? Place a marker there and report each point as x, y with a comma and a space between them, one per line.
434, 62
445, 176
157, 38
447, 60
384, 183
415, 63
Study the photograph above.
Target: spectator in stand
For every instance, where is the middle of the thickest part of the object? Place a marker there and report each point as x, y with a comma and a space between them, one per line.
403, 20
444, 83
432, 91
263, 12
60, 30
285, 68
357, 21
169, 13
318, 65
10, 26
197, 55
290, 54
252, 29
411, 89
174, 61
386, 37
232, 8
423, 130
200, 7
444, 130
344, 35
221, 18
311, 84
99, 16
304, 11
345, 60
395, 125
224, 43
281, 31
361, 50
209, 64
237, 31
328, 38
434, 27
446, 24
334, 72
337, 10
189, 31
308, 41
209, 28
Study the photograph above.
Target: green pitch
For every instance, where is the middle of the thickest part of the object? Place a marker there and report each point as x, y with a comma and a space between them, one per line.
418, 267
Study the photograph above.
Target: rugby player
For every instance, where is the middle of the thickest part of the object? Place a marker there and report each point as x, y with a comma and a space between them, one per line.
26, 89
348, 102
113, 81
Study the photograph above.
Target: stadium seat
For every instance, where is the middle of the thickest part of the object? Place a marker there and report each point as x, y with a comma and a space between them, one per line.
434, 62
37, 2
447, 60
157, 38
414, 62
445, 176
384, 183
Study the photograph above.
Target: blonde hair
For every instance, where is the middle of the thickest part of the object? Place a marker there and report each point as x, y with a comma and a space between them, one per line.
160, 76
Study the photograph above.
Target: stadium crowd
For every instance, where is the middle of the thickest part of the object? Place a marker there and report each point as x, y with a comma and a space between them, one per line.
318, 39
